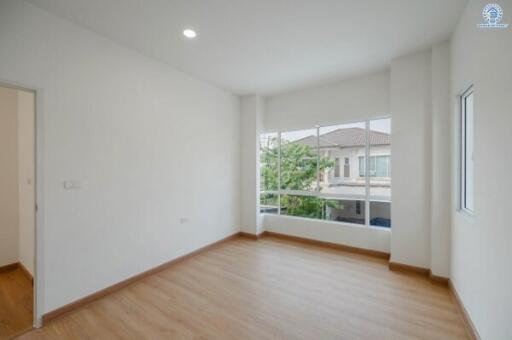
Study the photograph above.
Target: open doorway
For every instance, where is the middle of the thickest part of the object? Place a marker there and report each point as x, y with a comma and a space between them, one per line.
17, 210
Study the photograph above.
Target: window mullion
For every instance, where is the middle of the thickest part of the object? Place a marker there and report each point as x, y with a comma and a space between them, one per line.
279, 173
317, 158
367, 174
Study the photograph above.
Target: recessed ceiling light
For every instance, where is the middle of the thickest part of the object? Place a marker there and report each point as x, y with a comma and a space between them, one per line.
188, 33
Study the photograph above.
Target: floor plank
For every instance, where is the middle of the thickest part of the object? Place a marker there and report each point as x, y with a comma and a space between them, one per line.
15, 303
268, 289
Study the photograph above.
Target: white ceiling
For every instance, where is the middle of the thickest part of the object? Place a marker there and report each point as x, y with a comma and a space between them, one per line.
268, 46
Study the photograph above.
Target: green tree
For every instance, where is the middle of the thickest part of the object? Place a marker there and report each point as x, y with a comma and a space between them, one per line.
298, 172
298, 166
268, 160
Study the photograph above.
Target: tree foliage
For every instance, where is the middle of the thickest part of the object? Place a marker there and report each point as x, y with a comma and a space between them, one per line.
298, 166
298, 172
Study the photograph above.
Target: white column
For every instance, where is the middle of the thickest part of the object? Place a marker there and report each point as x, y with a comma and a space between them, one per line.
410, 97
441, 161
251, 122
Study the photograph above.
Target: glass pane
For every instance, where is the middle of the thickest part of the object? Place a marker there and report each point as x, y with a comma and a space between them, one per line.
299, 160
380, 214
380, 172
302, 206
348, 211
268, 161
382, 166
269, 203
342, 148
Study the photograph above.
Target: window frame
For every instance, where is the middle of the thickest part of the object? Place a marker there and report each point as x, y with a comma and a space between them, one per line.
463, 194
366, 198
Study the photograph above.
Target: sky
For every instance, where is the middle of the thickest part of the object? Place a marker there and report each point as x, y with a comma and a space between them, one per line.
381, 125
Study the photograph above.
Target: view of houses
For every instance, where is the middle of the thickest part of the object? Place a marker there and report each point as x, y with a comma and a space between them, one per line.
346, 148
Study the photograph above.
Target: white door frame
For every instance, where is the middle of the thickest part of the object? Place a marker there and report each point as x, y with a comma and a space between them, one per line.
38, 298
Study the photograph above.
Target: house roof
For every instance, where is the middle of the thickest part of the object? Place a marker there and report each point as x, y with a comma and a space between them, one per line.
349, 137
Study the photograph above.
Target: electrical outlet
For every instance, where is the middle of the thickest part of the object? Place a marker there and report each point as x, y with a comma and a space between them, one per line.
74, 184
183, 220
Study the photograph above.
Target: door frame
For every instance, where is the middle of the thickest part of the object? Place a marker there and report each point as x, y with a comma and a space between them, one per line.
38, 297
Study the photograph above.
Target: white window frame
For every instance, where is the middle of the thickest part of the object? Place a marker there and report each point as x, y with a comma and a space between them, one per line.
463, 194
366, 198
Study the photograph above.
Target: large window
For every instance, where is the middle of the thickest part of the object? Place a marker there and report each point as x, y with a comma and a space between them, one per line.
467, 172
322, 173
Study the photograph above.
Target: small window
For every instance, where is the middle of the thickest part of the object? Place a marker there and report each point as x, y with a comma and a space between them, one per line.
361, 166
358, 207
337, 167
380, 166
467, 144
346, 168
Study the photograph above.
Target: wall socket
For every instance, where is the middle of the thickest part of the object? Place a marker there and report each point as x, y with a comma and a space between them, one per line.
73, 184
183, 220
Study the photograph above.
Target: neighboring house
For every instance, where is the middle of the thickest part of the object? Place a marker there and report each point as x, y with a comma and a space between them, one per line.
346, 147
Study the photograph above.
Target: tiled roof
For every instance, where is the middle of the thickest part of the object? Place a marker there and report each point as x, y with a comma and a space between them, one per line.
347, 138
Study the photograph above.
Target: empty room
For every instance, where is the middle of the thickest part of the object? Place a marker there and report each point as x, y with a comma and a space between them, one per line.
255, 169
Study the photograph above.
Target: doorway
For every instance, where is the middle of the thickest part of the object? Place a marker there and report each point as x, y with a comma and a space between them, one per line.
17, 210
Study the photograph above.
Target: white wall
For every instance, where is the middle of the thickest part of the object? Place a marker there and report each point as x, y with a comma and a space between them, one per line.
352, 235
149, 144
8, 177
26, 176
348, 100
481, 245
440, 161
251, 112
411, 128
344, 101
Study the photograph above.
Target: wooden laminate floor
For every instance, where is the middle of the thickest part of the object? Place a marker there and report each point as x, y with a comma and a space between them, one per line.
15, 303
268, 289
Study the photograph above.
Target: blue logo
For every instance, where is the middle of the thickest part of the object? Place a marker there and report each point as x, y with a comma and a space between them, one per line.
492, 14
